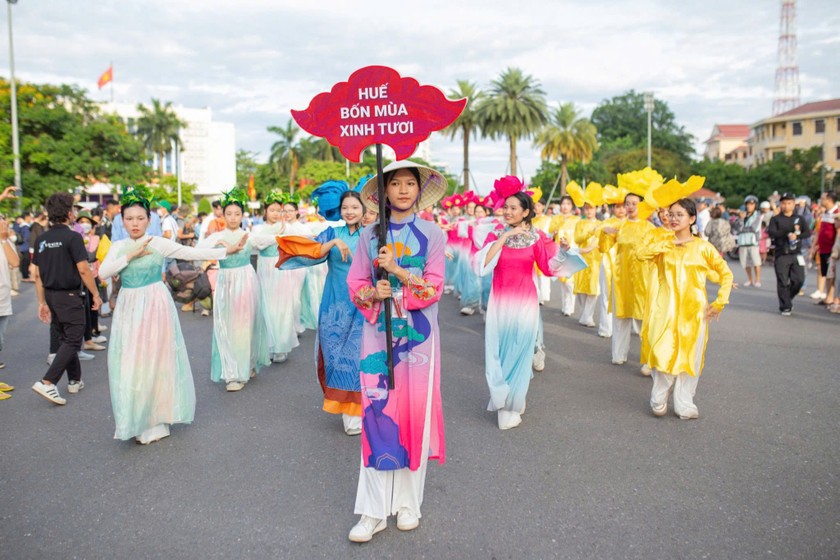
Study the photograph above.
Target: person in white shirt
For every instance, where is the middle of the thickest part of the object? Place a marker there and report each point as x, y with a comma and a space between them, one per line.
9, 259
703, 217
168, 225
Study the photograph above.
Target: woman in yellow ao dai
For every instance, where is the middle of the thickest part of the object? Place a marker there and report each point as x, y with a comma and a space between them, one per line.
629, 275
563, 228
680, 312
586, 281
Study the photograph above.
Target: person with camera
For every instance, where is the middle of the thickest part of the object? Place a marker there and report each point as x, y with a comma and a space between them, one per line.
787, 229
62, 280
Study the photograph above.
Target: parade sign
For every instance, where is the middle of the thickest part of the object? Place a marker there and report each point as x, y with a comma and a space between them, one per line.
378, 106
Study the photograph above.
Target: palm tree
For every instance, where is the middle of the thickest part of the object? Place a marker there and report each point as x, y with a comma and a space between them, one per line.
159, 129
467, 123
285, 153
514, 109
567, 138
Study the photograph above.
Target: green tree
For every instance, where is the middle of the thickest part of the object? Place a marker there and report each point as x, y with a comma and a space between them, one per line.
467, 123
246, 165
160, 129
624, 117
515, 108
667, 163
285, 152
167, 189
205, 206
65, 142
567, 138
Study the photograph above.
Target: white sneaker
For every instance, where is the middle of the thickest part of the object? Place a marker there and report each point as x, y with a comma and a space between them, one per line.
467, 310
102, 328
757, 284
234, 386
75, 386
364, 530
619, 362
539, 360
817, 295
660, 410
279, 357
50, 358
99, 339
646, 370
406, 520
747, 284
85, 357
49, 392
693, 415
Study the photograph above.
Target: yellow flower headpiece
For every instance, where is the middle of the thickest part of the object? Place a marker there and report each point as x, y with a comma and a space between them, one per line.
594, 194
536, 194
614, 195
576, 192
666, 194
641, 181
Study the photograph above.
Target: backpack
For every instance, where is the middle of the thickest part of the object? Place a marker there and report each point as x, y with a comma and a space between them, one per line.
201, 286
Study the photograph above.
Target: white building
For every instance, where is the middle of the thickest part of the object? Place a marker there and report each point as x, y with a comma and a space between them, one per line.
208, 154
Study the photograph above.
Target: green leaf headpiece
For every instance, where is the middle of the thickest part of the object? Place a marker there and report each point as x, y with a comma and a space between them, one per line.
235, 196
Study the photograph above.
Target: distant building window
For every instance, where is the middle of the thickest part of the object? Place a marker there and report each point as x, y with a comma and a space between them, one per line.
780, 155
819, 126
797, 129
838, 124
837, 153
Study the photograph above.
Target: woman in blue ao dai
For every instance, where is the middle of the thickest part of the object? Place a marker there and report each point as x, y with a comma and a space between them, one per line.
148, 368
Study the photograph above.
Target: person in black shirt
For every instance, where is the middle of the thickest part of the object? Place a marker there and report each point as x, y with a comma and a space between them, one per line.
788, 230
62, 274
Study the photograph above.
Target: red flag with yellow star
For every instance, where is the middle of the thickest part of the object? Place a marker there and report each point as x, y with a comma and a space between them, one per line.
106, 77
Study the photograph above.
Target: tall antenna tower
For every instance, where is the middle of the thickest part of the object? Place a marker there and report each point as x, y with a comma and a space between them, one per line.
787, 72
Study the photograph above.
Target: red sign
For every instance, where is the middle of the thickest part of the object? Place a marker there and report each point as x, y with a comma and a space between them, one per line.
378, 106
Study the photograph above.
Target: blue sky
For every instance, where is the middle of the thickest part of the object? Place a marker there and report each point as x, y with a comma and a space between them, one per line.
252, 61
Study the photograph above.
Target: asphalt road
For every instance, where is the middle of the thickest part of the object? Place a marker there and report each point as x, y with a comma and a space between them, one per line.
264, 473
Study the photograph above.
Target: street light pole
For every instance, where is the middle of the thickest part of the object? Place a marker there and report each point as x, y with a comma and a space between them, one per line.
649, 108
15, 138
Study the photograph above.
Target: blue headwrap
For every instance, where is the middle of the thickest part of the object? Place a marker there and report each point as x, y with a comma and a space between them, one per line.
328, 199
362, 181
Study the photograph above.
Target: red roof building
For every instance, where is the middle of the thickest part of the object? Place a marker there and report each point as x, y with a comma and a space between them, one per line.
724, 139
801, 128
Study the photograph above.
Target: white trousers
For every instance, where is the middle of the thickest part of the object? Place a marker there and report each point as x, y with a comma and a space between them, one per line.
621, 337
684, 386
604, 316
587, 303
383, 493
567, 297
351, 422
544, 288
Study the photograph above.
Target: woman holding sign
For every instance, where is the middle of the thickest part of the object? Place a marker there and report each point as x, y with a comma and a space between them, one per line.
402, 428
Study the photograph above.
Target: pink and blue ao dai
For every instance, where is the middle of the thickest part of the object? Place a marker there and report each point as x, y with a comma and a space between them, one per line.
513, 313
148, 368
401, 427
239, 342
278, 288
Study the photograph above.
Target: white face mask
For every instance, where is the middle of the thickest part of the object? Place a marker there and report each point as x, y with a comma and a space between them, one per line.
85, 227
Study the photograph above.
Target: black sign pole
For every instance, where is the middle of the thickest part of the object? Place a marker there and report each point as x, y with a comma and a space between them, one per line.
382, 273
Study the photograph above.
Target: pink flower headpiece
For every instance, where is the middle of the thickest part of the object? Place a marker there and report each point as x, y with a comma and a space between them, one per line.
503, 188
